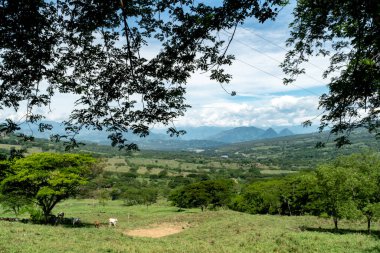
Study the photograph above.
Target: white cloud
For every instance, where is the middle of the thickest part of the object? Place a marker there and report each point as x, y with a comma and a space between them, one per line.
278, 111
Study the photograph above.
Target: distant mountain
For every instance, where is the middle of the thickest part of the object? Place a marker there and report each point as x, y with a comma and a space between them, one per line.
195, 138
178, 145
243, 134
269, 133
239, 134
196, 133
285, 132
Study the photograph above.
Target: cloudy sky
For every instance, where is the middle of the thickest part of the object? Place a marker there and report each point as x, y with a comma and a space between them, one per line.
262, 99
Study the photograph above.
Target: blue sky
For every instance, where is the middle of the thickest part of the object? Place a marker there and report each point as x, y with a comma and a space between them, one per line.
262, 99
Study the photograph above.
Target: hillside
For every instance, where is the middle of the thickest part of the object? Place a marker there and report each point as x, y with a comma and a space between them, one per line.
297, 151
211, 231
242, 134
287, 153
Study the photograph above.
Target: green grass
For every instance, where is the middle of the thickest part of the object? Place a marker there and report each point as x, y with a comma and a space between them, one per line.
276, 172
210, 231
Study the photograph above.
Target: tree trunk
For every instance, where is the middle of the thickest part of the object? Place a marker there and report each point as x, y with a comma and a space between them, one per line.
369, 225
290, 211
335, 222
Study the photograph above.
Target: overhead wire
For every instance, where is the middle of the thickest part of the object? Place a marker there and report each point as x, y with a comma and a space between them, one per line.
271, 42
274, 59
254, 67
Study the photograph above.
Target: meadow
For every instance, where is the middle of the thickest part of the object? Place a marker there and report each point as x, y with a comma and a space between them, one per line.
208, 231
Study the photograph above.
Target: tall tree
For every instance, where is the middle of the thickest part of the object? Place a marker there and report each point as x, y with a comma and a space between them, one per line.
47, 178
95, 50
338, 187
348, 31
366, 166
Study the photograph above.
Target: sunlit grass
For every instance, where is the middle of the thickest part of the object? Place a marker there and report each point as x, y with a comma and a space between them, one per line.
276, 172
209, 231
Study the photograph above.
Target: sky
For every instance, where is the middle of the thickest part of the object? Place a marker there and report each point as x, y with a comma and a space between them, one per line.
262, 99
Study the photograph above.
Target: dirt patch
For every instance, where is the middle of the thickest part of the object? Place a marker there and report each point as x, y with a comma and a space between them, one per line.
158, 230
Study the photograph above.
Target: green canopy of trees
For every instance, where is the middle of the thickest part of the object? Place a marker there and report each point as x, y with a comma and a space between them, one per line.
204, 194
347, 31
347, 188
45, 179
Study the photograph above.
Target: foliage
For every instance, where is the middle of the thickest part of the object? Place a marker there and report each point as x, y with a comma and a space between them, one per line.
346, 188
94, 50
15, 203
367, 166
290, 195
261, 197
337, 187
348, 31
204, 194
47, 178
142, 196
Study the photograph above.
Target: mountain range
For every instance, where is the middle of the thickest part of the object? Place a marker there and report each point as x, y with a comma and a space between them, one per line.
195, 138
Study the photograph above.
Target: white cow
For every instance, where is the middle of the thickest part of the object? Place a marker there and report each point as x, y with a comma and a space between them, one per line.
112, 222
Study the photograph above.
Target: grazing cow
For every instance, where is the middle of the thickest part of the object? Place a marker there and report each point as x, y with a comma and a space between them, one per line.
76, 221
112, 222
97, 224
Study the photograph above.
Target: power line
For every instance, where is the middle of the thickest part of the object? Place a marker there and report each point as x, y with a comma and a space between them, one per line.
254, 67
270, 57
271, 42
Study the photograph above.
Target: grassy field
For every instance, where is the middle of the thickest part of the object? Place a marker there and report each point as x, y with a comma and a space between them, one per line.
210, 231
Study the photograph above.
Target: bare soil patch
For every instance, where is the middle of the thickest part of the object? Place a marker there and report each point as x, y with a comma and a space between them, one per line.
158, 230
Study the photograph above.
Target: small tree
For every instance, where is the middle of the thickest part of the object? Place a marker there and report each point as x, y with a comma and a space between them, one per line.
338, 187
47, 178
14, 203
149, 196
203, 194
140, 195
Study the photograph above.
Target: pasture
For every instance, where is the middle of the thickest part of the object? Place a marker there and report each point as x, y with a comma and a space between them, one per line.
209, 231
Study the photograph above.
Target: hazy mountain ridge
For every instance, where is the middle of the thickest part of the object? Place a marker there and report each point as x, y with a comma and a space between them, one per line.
243, 134
196, 137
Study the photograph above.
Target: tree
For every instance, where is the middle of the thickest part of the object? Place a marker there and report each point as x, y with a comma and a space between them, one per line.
15, 203
204, 194
338, 188
95, 50
367, 166
47, 178
349, 32
142, 195
298, 194
262, 197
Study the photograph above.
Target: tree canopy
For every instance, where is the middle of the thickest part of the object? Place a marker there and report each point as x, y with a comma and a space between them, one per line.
203, 194
46, 178
348, 31
95, 50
